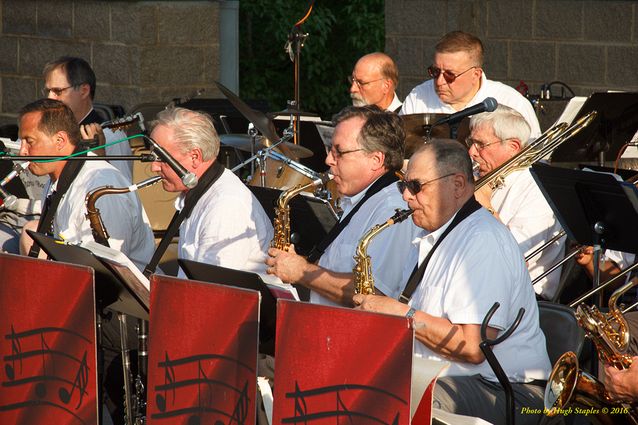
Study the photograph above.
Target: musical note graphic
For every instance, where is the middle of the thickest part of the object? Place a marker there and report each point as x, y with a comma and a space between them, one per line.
204, 397
320, 400
169, 378
16, 349
37, 360
81, 382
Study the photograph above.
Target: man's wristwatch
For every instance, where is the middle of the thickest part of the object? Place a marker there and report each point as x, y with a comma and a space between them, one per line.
410, 313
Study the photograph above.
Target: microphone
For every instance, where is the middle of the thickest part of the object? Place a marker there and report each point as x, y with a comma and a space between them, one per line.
489, 104
188, 179
7, 199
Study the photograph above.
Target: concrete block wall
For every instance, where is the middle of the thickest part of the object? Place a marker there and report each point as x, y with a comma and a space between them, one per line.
141, 51
590, 45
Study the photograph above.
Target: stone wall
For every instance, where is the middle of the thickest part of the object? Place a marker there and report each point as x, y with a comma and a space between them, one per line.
590, 45
141, 51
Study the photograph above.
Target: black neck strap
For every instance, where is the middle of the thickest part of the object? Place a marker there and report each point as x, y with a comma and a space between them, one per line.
383, 181
50, 207
417, 274
209, 177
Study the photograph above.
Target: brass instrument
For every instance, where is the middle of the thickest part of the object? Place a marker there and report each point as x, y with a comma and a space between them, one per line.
568, 385
98, 229
281, 223
535, 150
134, 405
363, 279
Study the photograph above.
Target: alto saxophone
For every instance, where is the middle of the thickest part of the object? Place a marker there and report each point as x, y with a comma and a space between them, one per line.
100, 234
363, 279
568, 385
281, 223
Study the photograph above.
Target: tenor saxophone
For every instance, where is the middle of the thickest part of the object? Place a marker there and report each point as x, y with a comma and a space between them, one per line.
568, 385
363, 279
100, 234
281, 223
134, 404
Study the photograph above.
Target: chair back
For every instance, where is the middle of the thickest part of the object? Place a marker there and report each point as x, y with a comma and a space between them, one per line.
561, 329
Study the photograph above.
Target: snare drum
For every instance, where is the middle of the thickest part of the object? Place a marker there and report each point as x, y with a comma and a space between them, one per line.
282, 173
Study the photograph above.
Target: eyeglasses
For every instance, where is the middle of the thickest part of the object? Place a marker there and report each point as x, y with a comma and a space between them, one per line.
56, 91
338, 154
415, 186
360, 83
480, 145
449, 76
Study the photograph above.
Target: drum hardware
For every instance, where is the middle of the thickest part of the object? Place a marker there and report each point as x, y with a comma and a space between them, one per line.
244, 143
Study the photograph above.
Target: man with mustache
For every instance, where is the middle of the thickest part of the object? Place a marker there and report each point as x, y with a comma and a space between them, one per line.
373, 81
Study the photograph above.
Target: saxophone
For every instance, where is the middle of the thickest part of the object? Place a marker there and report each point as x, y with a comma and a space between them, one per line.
281, 222
568, 385
363, 279
134, 404
100, 235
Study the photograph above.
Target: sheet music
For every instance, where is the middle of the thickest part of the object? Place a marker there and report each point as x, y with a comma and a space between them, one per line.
279, 289
325, 130
441, 417
571, 110
119, 258
424, 371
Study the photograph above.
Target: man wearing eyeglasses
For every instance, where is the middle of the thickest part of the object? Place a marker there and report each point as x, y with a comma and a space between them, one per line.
495, 137
458, 81
373, 82
462, 262
367, 150
72, 81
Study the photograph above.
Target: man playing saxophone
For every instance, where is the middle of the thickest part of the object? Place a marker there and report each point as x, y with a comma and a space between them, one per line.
462, 262
48, 127
227, 226
495, 137
367, 150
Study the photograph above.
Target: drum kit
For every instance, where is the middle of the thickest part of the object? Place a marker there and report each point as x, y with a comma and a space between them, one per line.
274, 160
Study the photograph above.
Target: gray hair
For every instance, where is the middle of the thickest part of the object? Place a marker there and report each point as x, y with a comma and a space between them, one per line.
381, 132
450, 157
192, 129
506, 122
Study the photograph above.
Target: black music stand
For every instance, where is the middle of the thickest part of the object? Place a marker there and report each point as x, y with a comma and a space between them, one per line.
593, 208
114, 287
224, 276
615, 125
310, 218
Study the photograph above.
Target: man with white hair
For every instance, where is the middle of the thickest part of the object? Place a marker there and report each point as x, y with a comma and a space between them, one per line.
226, 225
495, 137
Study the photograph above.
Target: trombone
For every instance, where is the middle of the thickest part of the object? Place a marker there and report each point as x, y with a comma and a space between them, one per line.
536, 150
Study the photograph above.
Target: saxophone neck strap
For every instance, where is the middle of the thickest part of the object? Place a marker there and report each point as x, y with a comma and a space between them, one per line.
52, 201
417, 273
209, 177
385, 180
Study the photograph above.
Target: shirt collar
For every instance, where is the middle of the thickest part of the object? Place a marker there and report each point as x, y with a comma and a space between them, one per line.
348, 202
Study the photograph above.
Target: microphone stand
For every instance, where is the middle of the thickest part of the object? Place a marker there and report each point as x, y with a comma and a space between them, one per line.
288, 134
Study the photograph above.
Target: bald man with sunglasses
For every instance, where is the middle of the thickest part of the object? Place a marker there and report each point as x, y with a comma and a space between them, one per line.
458, 82
461, 263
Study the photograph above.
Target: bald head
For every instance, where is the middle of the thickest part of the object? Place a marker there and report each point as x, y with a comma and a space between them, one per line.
375, 77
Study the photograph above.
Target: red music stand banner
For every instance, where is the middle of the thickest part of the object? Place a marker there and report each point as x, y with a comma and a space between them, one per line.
202, 353
336, 364
47, 344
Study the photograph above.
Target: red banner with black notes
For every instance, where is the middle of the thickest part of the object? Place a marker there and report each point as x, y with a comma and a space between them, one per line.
338, 364
47, 342
202, 353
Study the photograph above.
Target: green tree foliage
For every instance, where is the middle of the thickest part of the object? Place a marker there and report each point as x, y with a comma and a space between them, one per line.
339, 32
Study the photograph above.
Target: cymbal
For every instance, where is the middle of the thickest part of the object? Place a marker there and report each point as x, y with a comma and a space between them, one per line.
292, 111
419, 126
243, 142
259, 119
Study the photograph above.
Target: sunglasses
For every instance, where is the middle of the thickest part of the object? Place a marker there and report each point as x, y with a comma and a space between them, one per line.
449, 76
415, 186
